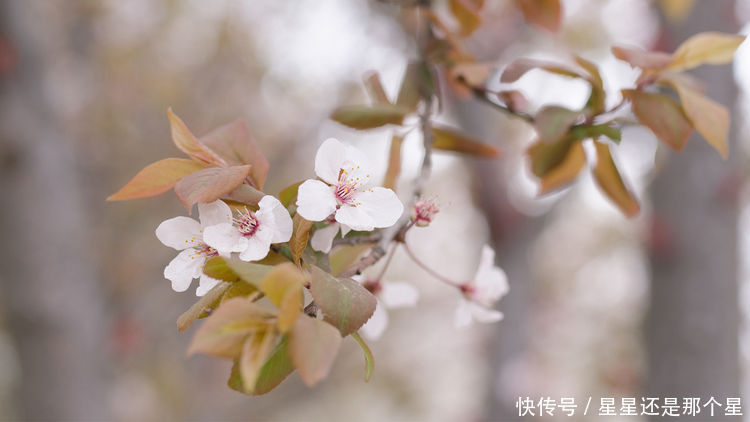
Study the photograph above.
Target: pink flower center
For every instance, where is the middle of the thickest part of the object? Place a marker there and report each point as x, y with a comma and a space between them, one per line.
205, 250
345, 192
247, 223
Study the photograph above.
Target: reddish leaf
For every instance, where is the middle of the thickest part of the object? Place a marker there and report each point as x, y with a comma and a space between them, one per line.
344, 302
370, 117
246, 194
546, 14
648, 60
313, 345
210, 184
375, 89
448, 139
515, 100
224, 332
609, 179
236, 146
662, 115
189, 144
474, 74
157, 178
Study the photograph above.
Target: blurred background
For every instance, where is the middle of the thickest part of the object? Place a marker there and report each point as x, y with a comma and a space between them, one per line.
599, 306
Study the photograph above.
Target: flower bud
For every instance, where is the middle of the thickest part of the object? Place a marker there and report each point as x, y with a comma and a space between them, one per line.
423, 212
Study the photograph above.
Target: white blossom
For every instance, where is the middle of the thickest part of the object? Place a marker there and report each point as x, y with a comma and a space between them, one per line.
480, 295
186, 235
390, 295
252, 233
343, 191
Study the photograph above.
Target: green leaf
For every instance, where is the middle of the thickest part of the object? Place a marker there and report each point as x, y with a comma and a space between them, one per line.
273, 372
609, 179
224, 332
300, 236
236, 146
313, 345
252, 273
240, 288
370, 117
289, 193
545, 14
553, 122
256, 350
448, 139
157, 178
662, 115
547, 156
217, 268
189, 144
208, 301
209, 184
346, 255
344, 302
409, 94
369, 359
596, 102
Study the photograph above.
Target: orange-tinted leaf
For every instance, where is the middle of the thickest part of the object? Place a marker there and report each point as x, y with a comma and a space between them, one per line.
236, 146
256, 350
345, 303
313, 344
448, 139
546, 14
709, 118
566, 171
705, 48
609, 179
209, 300
466, 13
394, 163
553, 122
210, 184
369, 117
546, 156
375, 89
283, 287
157, 178
224, 332
189, 144
595, 103
662, 115
300, 236
518, 68
649, 60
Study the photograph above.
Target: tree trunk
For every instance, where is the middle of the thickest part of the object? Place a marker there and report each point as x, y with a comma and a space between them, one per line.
692, 326
51, 297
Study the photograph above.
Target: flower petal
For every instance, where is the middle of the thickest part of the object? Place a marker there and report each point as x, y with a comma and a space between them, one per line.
216, 212
485, 315
179, 233
382, 205
257, 245
345, 229
315, 200
322, 239
398, 295
225, 238
463, 316
272, 213
355, 217
490, 282
376, 325
206, 283
333, 156
183, 269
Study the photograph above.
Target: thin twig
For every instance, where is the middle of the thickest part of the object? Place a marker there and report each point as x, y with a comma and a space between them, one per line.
430, 270
358, 240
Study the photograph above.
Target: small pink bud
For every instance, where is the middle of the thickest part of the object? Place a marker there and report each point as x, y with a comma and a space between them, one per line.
423, 212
